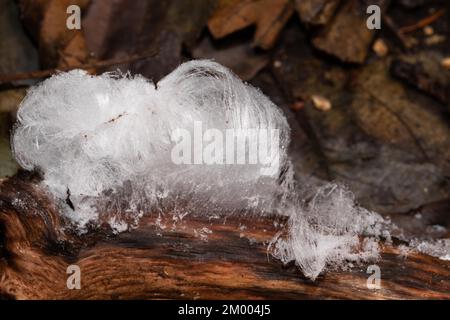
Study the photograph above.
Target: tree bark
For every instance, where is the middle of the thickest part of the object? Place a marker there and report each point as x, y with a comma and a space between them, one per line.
177, 262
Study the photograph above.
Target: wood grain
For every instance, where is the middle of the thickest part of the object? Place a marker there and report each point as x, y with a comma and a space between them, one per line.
177, 262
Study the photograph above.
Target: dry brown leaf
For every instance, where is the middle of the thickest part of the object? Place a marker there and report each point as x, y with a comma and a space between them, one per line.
239, 57
17, 52
75, 52
269, 17
119, 28
316, 12
348, 37
58, 45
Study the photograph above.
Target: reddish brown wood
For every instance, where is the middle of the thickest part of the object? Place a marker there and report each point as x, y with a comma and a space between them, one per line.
149, 263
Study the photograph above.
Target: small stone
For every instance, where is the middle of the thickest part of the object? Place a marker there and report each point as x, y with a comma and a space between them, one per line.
277, 64
380, 48
321, 103
428, 30
445, 63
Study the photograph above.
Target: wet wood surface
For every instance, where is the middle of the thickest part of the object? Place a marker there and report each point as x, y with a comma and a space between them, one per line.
227, 260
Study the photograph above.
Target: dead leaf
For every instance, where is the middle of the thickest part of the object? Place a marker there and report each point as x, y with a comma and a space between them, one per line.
239, 57
423, 71
74, 53
316, 12
269, 17
348, 37
391, 114
386, 142
122, 27
17, 53
58, 45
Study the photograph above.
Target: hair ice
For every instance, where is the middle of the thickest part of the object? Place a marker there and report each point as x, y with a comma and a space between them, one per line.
104, 145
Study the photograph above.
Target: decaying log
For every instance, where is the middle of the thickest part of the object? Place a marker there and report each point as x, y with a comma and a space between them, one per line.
177, 262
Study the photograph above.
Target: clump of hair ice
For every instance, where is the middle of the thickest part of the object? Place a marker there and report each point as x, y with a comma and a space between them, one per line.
104, 145
326, 232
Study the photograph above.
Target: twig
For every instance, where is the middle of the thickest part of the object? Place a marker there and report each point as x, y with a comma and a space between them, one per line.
8, 78
406, 43
422, 23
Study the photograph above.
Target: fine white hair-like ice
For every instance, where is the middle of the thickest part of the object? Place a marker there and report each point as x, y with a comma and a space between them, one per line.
92, 135
104, 145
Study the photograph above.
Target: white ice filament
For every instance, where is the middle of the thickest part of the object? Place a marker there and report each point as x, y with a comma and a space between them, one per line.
105, 147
